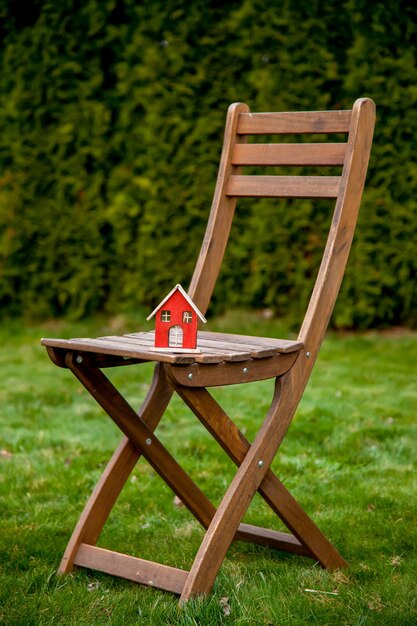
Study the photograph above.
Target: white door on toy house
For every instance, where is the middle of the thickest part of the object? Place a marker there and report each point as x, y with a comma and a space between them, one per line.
175, 336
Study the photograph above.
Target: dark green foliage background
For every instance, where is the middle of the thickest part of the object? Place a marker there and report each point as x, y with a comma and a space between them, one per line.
111, 117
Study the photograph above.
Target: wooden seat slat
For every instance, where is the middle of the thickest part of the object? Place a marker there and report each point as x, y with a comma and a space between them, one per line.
256, 352
99, 346
281, 345
210, 353
213, 350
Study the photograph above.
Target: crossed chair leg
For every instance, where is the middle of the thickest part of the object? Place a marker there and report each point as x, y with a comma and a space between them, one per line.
222, 525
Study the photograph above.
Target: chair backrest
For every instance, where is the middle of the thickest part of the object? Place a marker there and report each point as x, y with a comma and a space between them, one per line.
346, 189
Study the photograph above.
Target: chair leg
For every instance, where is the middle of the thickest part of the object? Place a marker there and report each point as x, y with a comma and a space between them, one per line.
143, 438
226, 433
114, 477
243, 487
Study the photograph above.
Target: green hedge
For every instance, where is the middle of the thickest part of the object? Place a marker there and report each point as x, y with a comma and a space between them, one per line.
111, 117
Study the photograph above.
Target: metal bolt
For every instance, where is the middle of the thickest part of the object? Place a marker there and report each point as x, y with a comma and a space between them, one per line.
148, 441
245, 370
190, 376
308, 354
79, 359
260, 463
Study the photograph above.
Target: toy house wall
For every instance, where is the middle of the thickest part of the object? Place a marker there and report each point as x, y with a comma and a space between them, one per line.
177, 305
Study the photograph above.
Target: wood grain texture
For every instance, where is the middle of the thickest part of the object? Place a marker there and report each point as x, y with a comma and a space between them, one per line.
309, 539
282, 346
248, 478
117, 472
116, 347
144, 439
220, 218
238, 496
342, 229
228, 359
222, 374
287, 123
140, 571
272, 538
283, 186
324, 154
138, 347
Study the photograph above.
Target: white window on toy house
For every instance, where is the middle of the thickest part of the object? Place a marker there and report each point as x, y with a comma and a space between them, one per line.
165, 316
187, 317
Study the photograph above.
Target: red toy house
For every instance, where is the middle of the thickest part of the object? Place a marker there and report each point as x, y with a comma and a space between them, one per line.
176, 322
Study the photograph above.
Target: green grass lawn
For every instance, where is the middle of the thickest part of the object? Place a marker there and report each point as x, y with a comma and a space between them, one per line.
349, 458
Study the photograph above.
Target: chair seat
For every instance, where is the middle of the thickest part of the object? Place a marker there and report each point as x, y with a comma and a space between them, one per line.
214, 347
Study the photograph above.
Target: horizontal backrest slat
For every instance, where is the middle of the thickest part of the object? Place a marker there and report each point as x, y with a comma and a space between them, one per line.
283, 186
298, 122
289, 154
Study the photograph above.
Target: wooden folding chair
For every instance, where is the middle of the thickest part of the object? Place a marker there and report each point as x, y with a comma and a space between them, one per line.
227, 359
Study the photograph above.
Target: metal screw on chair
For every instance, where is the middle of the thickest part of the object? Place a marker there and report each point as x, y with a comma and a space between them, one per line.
260, 463
245, 370
79, 359
190, 376
308, 354
148, 441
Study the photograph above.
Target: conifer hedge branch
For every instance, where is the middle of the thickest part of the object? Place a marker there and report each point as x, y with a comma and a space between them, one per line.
111, 117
